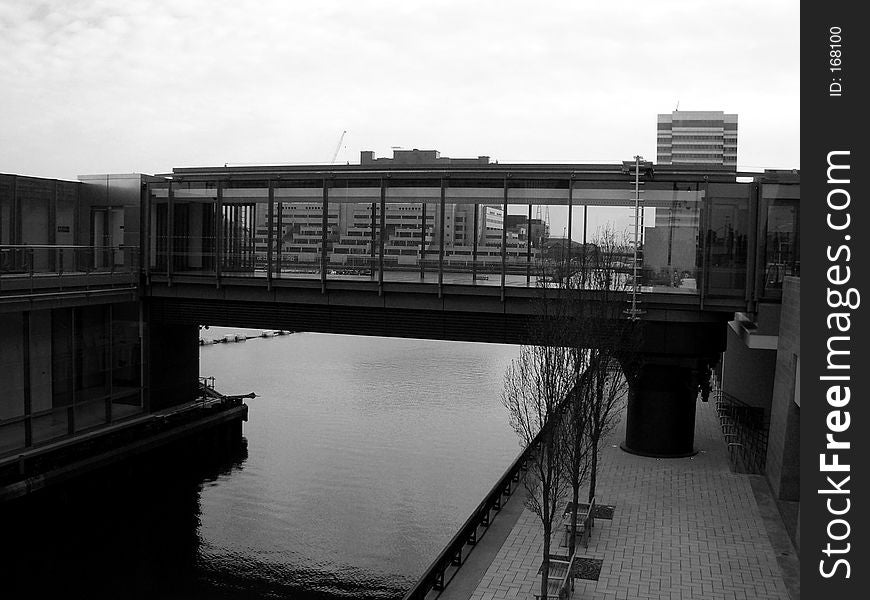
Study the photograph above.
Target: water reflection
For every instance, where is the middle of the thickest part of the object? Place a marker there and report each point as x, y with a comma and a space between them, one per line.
129, 531
361, 458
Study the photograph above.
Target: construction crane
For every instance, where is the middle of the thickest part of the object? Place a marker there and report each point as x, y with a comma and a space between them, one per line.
338, 147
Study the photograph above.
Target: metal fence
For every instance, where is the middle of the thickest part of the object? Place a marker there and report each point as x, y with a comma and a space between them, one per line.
745, 429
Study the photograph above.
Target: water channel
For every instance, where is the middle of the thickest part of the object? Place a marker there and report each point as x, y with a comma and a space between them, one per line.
362, 457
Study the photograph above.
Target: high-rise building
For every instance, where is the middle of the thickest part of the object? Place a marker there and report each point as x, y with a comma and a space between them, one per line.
696, 137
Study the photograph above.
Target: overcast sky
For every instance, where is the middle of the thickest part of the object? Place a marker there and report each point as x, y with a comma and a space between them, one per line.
95, 86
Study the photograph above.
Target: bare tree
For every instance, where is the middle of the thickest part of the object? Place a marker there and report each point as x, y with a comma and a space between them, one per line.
576, 451
537, 384
612, 338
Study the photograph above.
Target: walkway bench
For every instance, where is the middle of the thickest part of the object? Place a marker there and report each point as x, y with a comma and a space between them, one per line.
563, 572
560, 581
585, 522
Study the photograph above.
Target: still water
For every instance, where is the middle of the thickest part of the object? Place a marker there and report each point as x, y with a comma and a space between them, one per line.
362, 458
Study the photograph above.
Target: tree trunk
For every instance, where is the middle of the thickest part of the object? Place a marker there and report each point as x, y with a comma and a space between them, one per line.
545, 566
573, 540
593, 470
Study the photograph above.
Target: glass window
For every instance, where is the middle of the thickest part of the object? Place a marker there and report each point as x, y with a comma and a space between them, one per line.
726, 239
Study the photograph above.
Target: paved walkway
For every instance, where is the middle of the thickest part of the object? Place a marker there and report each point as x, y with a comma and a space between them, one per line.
684, 529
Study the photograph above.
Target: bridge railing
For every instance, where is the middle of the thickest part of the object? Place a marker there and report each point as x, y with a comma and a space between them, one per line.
34, 266
472, 530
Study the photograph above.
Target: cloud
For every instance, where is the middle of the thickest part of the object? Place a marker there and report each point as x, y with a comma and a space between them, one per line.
98, 85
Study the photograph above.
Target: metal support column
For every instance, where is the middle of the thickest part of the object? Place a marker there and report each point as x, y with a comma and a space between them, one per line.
704, 242
374, 241
383, 222
270, 234
504, 237
28, 402
110, 376
170, 231
568, 236
219, 234
474, 243
423, 241
441, 238
145, 244
529, 247
324, 223
280, 238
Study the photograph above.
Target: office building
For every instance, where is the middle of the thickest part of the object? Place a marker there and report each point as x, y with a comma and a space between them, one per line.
689, 137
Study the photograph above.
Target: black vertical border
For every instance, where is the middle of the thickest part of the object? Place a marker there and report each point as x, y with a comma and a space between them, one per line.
829, 123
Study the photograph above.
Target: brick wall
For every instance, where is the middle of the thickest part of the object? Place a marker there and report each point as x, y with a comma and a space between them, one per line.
783, 451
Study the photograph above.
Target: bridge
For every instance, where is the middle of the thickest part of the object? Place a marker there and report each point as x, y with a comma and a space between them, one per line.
106, 280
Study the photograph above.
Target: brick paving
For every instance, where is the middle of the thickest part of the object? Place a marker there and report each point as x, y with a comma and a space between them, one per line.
683, 529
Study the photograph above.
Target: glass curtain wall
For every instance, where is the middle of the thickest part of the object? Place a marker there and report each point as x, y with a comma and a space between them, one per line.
12, 409
68, 370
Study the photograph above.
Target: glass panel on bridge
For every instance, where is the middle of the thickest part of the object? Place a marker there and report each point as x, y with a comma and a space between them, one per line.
726, 239
411, 230
158, 227
666, 224
536, 232
472, 231
297, 230
195, 224
243, 208
780, 227
65, 230
352, 229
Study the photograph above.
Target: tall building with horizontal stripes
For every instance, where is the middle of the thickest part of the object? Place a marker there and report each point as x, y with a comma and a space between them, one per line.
689, 137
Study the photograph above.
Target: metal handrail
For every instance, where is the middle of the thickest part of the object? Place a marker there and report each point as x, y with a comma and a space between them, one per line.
60, 246
433, 577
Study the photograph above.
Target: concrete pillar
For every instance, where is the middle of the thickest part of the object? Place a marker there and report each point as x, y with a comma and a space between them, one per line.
660, 416
174, 364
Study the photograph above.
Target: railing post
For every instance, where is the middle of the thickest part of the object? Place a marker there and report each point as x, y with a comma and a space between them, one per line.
219, 233
270, 235
25, 347
30, 267
383, 226
441, 237
474, 243
703, 241
570, 215
504, 236
423, 240
324, 223
529, 247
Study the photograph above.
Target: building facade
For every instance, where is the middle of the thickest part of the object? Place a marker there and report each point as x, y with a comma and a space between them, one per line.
697, 138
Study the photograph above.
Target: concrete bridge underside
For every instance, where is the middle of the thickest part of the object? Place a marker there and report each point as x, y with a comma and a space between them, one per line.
677, 344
